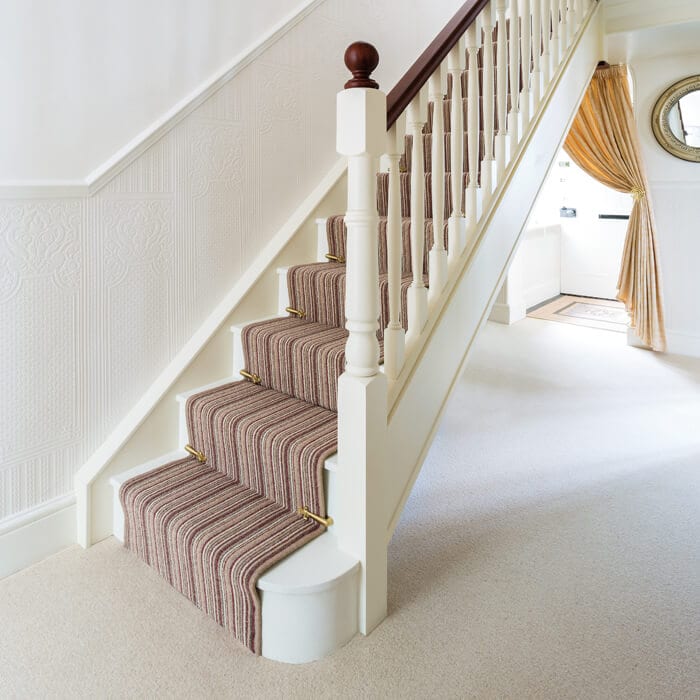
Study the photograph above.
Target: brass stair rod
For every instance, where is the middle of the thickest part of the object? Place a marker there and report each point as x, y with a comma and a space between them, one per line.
335, 258
307, 514
201, 457
297, 312
250, 376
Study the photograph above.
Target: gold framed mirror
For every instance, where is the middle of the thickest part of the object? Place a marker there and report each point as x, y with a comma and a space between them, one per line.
676, 119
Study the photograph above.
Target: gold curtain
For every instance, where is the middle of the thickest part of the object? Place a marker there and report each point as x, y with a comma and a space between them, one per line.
603, 141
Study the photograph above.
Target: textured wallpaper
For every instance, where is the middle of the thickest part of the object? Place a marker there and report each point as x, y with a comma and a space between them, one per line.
98, 293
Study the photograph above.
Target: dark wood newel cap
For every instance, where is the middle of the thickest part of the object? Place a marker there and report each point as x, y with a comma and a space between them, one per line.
361, 59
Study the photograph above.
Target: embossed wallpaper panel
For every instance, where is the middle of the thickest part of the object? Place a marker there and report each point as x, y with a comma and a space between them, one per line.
98, 294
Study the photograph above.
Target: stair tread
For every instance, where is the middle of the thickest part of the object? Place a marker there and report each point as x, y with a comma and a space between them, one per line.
314, 567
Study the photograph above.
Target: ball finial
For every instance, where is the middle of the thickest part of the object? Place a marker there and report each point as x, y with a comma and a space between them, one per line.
361, 59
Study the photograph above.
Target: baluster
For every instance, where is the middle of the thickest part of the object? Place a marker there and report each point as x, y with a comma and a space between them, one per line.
526, 50
488, 165
394, 334
437, 257
514, 69
501, 88
537, 41
580, 13
545, 63
563, 30
456, 225
554, 42
570, 22
472, 197
417, 300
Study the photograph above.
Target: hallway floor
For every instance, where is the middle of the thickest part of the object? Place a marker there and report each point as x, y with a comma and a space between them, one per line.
550, 549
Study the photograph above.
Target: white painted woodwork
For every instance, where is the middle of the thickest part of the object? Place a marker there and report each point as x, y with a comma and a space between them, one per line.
472, 213
362, 389
563, 27
417, 301
315, 588
501, 88
394, 334
537, 58
488, 166
415, 407
570, 21
437, 257
321, 240
546, 58
35, 534
554, 44
526, 50
514, 76
361, 134
456, 223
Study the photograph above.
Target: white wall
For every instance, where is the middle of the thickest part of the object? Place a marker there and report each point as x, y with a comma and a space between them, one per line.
82, 79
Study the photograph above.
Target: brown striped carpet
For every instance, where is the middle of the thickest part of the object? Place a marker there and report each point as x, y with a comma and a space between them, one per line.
211, 529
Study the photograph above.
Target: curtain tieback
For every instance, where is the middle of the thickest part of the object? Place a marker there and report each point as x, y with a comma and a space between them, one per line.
637, 193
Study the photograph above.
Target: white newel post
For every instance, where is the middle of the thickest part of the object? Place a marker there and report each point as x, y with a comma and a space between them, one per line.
361, 523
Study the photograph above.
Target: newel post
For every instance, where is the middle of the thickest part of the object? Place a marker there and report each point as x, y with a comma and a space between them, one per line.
361, 522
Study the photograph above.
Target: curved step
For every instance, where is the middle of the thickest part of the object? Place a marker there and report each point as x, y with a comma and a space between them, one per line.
309, 599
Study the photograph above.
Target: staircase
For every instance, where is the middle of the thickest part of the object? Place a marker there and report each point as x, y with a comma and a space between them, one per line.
276, 516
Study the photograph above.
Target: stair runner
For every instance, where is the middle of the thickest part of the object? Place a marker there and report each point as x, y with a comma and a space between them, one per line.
212, 528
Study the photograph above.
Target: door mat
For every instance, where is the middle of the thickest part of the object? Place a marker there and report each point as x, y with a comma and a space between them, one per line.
584, 311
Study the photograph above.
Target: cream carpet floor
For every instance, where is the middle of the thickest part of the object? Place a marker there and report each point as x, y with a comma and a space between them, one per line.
550, 549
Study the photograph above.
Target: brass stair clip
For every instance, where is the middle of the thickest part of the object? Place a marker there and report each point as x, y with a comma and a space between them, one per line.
297, 312
250, 376
335, 258
201, 457
307, 514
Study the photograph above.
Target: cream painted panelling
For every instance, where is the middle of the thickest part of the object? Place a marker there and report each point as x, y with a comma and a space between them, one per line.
98, 293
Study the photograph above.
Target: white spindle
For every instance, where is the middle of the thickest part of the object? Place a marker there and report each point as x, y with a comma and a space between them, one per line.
514, 70
417, 294
488, 165
394, 334
455, 65
537, 41
571, 20
545, 25
563, 29
580, 13
501, 88
554, 51
437, 258
525, 57
472, 128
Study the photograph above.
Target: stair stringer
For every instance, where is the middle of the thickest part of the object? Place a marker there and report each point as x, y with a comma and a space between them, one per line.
419, 397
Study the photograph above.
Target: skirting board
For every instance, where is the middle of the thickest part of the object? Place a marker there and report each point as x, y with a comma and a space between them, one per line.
37, 534
683, 344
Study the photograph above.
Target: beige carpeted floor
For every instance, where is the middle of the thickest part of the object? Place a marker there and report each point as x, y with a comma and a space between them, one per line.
549, 550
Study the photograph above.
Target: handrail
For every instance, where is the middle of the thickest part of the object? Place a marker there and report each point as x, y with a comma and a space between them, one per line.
417, 75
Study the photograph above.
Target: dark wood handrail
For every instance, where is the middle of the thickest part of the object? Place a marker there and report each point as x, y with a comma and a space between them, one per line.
416, 76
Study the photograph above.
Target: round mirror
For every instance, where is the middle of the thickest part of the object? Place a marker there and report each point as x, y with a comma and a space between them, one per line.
676, 119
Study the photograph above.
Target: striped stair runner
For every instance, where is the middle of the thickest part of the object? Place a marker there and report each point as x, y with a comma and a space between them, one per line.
212, 528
